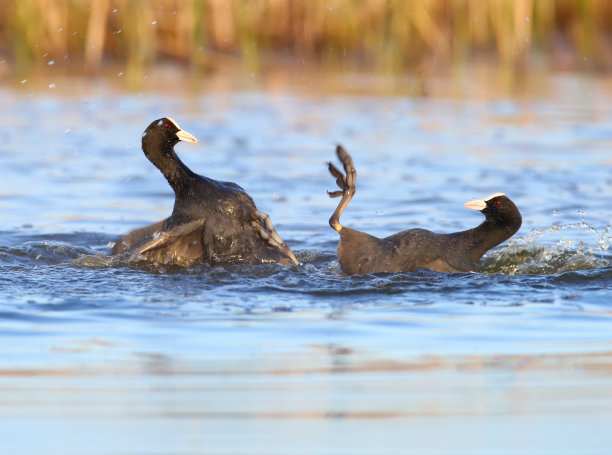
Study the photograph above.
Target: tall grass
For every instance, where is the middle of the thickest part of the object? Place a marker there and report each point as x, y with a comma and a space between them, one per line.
385, 34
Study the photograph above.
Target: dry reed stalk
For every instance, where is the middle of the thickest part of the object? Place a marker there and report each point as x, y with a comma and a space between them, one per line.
96, 33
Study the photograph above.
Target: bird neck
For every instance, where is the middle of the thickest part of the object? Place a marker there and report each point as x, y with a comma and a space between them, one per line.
488, 235
165, 159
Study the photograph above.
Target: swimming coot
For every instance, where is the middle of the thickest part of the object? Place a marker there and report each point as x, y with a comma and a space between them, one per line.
405, 251
212, 221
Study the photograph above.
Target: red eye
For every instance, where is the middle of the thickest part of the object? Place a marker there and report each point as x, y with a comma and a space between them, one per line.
497, 203
167, 126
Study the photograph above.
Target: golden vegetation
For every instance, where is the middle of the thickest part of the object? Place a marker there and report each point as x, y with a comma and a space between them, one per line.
385, 34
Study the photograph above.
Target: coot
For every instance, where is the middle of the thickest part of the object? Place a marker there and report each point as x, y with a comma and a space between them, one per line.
408, 250
212, 221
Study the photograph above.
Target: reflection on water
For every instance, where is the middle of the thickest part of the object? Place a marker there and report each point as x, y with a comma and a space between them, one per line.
112, 355
325, 398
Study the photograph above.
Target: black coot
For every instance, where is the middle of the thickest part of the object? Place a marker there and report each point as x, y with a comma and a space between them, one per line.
212, 221
405, 251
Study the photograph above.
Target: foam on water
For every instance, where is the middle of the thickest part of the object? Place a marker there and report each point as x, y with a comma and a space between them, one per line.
532, 255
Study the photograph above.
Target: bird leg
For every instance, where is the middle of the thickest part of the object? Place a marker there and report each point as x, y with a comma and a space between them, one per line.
346, 184
268, 233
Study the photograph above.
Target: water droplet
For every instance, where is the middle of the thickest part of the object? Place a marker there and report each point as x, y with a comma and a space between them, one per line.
154, 22
120, 73
51, 62
528, 19
116, 32
68, 130
115, 10
24, 81
52, 85
146, 77
554, 213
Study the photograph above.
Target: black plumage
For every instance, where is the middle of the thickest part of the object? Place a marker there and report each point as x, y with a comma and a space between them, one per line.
212, 221
408, 250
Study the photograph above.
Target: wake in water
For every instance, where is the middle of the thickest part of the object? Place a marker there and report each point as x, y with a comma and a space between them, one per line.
530, 255
541, 252
45, 252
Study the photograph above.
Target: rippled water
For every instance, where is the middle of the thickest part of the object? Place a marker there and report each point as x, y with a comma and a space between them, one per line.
111, 355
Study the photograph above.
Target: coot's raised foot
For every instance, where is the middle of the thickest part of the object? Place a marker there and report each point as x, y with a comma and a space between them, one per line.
346, 184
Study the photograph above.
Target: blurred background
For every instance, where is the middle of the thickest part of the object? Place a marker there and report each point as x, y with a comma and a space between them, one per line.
422, 37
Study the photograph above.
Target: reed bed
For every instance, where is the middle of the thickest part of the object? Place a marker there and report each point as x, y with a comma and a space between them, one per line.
389, 35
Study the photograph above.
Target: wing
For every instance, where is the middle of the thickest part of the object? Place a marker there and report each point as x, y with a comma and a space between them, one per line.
133, 238
181, 244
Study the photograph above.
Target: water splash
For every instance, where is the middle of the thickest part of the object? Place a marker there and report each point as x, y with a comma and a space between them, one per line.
531, 255
541, 252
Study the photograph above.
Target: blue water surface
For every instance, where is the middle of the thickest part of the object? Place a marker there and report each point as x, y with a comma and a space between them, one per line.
112, 355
